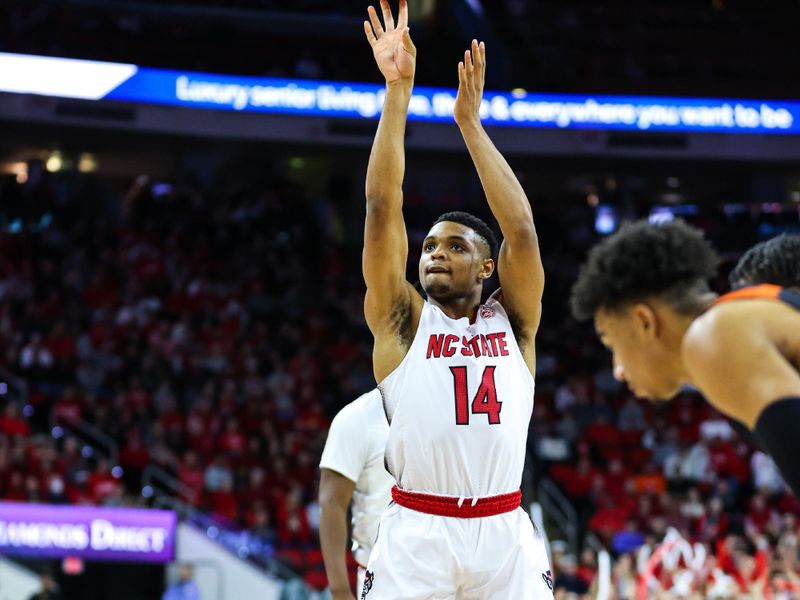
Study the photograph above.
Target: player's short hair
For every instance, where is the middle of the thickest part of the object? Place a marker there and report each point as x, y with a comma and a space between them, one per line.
478, 225
776, 261
672, 260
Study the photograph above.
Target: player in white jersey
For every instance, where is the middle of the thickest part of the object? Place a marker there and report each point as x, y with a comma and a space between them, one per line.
353, 474
456, 376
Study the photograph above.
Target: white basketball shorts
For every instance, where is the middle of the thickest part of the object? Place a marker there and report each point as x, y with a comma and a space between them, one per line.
420, 556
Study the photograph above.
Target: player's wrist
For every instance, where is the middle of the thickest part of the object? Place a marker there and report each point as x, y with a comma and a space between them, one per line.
469, 125
404, 84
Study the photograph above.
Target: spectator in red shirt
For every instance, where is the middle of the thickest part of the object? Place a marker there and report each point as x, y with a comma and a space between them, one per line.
15, 487
761, 518
191, 475
101, 482
615, 478
68, 409
293, 527
232, 441
134, 456
12, 423
223, 503
587, 566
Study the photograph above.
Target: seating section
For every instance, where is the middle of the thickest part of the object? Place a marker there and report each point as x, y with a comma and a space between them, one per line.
212, 331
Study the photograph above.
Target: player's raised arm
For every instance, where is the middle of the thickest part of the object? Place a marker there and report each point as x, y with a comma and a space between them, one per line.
385, 239
520, 265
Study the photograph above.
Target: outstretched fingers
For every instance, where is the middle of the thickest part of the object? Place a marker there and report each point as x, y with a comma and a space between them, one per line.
479, 60
388, 19
402, 14
408, 45
369, 33
375, 21
468, 68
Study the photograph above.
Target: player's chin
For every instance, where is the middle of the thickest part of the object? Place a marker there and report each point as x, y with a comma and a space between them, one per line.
662, 396
436, 288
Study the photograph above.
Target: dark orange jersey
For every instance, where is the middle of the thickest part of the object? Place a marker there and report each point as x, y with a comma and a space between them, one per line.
765, 291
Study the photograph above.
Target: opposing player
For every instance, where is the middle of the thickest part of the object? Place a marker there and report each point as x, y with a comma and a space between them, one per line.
456, 375
353, 475
646, 288
775, 262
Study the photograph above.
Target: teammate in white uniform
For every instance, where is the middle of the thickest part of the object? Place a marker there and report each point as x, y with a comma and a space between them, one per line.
456, 376
353, 474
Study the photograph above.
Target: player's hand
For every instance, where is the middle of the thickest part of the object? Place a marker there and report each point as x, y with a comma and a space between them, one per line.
345, 595
471, 77
391, 44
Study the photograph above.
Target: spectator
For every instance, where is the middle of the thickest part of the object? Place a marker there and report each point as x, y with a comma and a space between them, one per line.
49, 589
627, 540
567, 578
631, 416
185, 588
218, 475
766, 477
623, 578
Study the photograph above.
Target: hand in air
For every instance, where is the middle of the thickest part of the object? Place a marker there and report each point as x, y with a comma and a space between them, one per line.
391, 44
471, 77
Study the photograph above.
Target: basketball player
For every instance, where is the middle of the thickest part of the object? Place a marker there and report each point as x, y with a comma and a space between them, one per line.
646, 289
776, 262
456, 375
353, 472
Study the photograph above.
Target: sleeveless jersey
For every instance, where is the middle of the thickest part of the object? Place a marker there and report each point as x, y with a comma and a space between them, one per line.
459, 405
764, 292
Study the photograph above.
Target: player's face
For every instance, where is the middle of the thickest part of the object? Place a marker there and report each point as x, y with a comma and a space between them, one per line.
453, 261
639, 357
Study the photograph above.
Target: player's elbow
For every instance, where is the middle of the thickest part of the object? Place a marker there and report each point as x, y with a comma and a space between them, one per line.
382, 200
383, 191
521, 239
520, 232
332, 504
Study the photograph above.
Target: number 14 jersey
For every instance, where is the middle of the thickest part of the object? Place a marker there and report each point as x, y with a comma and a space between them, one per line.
459, 405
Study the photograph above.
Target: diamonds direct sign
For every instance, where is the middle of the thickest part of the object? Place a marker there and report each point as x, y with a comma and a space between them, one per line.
90, 532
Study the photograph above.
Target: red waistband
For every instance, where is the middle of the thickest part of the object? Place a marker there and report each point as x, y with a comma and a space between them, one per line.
449, 506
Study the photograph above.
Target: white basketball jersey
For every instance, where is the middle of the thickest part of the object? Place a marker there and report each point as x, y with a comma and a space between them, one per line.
354, 448
459, 406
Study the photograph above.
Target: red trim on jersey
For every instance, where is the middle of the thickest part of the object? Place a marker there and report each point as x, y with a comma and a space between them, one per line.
448, 506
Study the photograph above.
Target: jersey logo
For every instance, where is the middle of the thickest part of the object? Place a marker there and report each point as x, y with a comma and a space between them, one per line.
487, 312
369, 577
548, 579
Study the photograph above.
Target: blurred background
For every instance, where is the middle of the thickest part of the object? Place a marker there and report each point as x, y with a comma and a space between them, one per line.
181, 296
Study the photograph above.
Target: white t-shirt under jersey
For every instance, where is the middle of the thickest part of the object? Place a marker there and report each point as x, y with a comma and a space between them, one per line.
459, 406
354, 448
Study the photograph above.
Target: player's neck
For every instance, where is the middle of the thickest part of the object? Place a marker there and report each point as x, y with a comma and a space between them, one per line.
678, 329
458, 308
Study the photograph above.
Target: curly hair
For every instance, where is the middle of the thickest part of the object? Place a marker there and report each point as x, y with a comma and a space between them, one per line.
672, 260
478, 225
776, 261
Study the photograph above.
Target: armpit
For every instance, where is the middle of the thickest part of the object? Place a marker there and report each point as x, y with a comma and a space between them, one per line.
518, 329
400, 321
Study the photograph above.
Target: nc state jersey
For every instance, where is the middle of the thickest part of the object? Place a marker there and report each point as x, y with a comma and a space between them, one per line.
459, 406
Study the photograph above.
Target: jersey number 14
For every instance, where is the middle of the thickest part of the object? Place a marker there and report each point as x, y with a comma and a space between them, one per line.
485, 400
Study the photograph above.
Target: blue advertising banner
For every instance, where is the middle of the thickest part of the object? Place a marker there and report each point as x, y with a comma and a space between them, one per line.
94, 80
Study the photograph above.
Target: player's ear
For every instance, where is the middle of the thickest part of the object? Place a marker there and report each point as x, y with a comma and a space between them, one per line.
645, 320
487, 268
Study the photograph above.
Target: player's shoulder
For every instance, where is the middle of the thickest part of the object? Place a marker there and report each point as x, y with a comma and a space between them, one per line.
721, 330
362, 409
